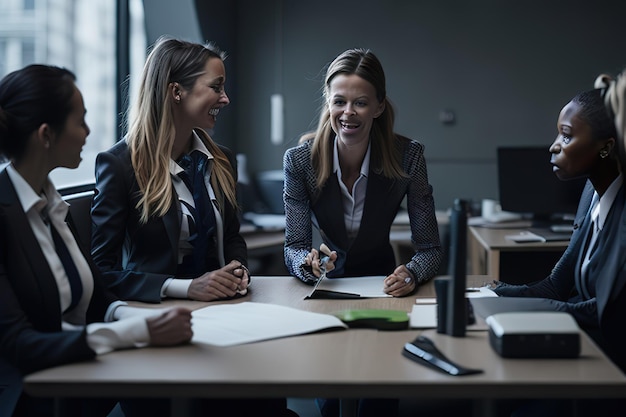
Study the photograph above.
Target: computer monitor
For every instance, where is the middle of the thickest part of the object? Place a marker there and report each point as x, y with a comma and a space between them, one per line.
527, 185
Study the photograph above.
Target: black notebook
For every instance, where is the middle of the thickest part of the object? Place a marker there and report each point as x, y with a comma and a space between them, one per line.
550, 236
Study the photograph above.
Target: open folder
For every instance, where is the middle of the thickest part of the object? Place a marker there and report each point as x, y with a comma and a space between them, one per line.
348, 288
247, 322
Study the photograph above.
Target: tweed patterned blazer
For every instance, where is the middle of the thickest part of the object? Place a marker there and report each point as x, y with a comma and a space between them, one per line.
370, 252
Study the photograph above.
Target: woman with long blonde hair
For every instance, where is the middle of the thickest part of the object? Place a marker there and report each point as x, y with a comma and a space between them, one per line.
349, 178
164, 215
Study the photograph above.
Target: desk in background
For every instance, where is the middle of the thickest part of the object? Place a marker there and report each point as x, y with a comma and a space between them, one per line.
352, 363
490, 253
265, 249
400, 238
265, 245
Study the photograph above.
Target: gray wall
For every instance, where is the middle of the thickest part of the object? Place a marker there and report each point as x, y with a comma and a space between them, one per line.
505, 68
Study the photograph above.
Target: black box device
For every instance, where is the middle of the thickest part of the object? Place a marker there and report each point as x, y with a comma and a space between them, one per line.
534, 334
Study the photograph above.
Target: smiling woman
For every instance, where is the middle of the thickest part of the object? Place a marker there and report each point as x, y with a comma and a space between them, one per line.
164, 212
347, 179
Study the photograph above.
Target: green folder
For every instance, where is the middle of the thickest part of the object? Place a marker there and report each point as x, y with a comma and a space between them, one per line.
375, 319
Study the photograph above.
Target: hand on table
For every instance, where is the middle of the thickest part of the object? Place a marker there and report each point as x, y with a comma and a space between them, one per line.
172, 327
400, 283
222, 283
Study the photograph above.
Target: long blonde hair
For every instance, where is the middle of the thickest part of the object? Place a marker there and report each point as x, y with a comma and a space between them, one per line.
151, 129
385, 153
615, 103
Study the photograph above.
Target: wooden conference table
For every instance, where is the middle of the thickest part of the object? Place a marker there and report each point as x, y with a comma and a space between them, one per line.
349, 364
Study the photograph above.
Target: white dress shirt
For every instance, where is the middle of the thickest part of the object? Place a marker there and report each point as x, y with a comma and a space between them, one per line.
178, 288
600, 208
132, 331
353, 202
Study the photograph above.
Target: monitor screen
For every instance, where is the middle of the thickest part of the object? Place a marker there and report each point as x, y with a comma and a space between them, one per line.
527, 184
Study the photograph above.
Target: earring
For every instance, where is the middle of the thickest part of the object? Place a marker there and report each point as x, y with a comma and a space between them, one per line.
604, 153
177, 99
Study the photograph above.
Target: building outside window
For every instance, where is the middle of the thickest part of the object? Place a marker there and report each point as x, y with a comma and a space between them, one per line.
79, 35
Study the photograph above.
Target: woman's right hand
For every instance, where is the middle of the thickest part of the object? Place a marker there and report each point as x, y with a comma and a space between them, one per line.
312, 259
172, 327
216, 285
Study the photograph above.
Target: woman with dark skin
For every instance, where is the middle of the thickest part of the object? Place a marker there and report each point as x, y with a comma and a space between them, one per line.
589, 281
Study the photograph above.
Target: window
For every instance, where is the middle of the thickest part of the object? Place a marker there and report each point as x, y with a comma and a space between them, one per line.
79, 35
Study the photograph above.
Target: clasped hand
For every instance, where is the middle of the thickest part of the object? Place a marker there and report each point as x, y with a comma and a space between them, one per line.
225, 282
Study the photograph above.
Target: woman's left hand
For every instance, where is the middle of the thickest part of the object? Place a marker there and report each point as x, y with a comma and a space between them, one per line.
242, 272
400, 283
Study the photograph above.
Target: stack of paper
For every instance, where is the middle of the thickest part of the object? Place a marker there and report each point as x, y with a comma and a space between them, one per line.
234, 324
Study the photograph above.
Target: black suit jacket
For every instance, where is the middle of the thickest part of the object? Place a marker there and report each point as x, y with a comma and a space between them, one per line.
30, 314
136, 258
604, 315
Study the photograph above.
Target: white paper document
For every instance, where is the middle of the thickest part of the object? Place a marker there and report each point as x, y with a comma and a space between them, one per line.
247, 322
423, 316
479, 292
353, 287
424, 313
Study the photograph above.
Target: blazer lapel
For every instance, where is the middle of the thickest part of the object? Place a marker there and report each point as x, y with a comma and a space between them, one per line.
329, 211
611, 255
29, 246
376, 203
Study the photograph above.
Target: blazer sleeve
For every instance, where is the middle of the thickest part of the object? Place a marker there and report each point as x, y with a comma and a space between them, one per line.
28, 344
298, 227
29, 349
421, 209
559, 287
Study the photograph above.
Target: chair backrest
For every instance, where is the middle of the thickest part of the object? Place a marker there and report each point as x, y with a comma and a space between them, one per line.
80, 209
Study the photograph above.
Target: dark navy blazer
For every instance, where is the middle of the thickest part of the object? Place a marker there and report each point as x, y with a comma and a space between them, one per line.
136, 258
30, 314
604, 315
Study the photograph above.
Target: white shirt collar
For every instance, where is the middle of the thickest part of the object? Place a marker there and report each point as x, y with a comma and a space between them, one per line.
28, 197
196, 145
602, 208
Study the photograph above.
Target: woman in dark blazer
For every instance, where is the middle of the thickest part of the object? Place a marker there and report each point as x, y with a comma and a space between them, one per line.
589, 281
53, 306
154, 234
349, 178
